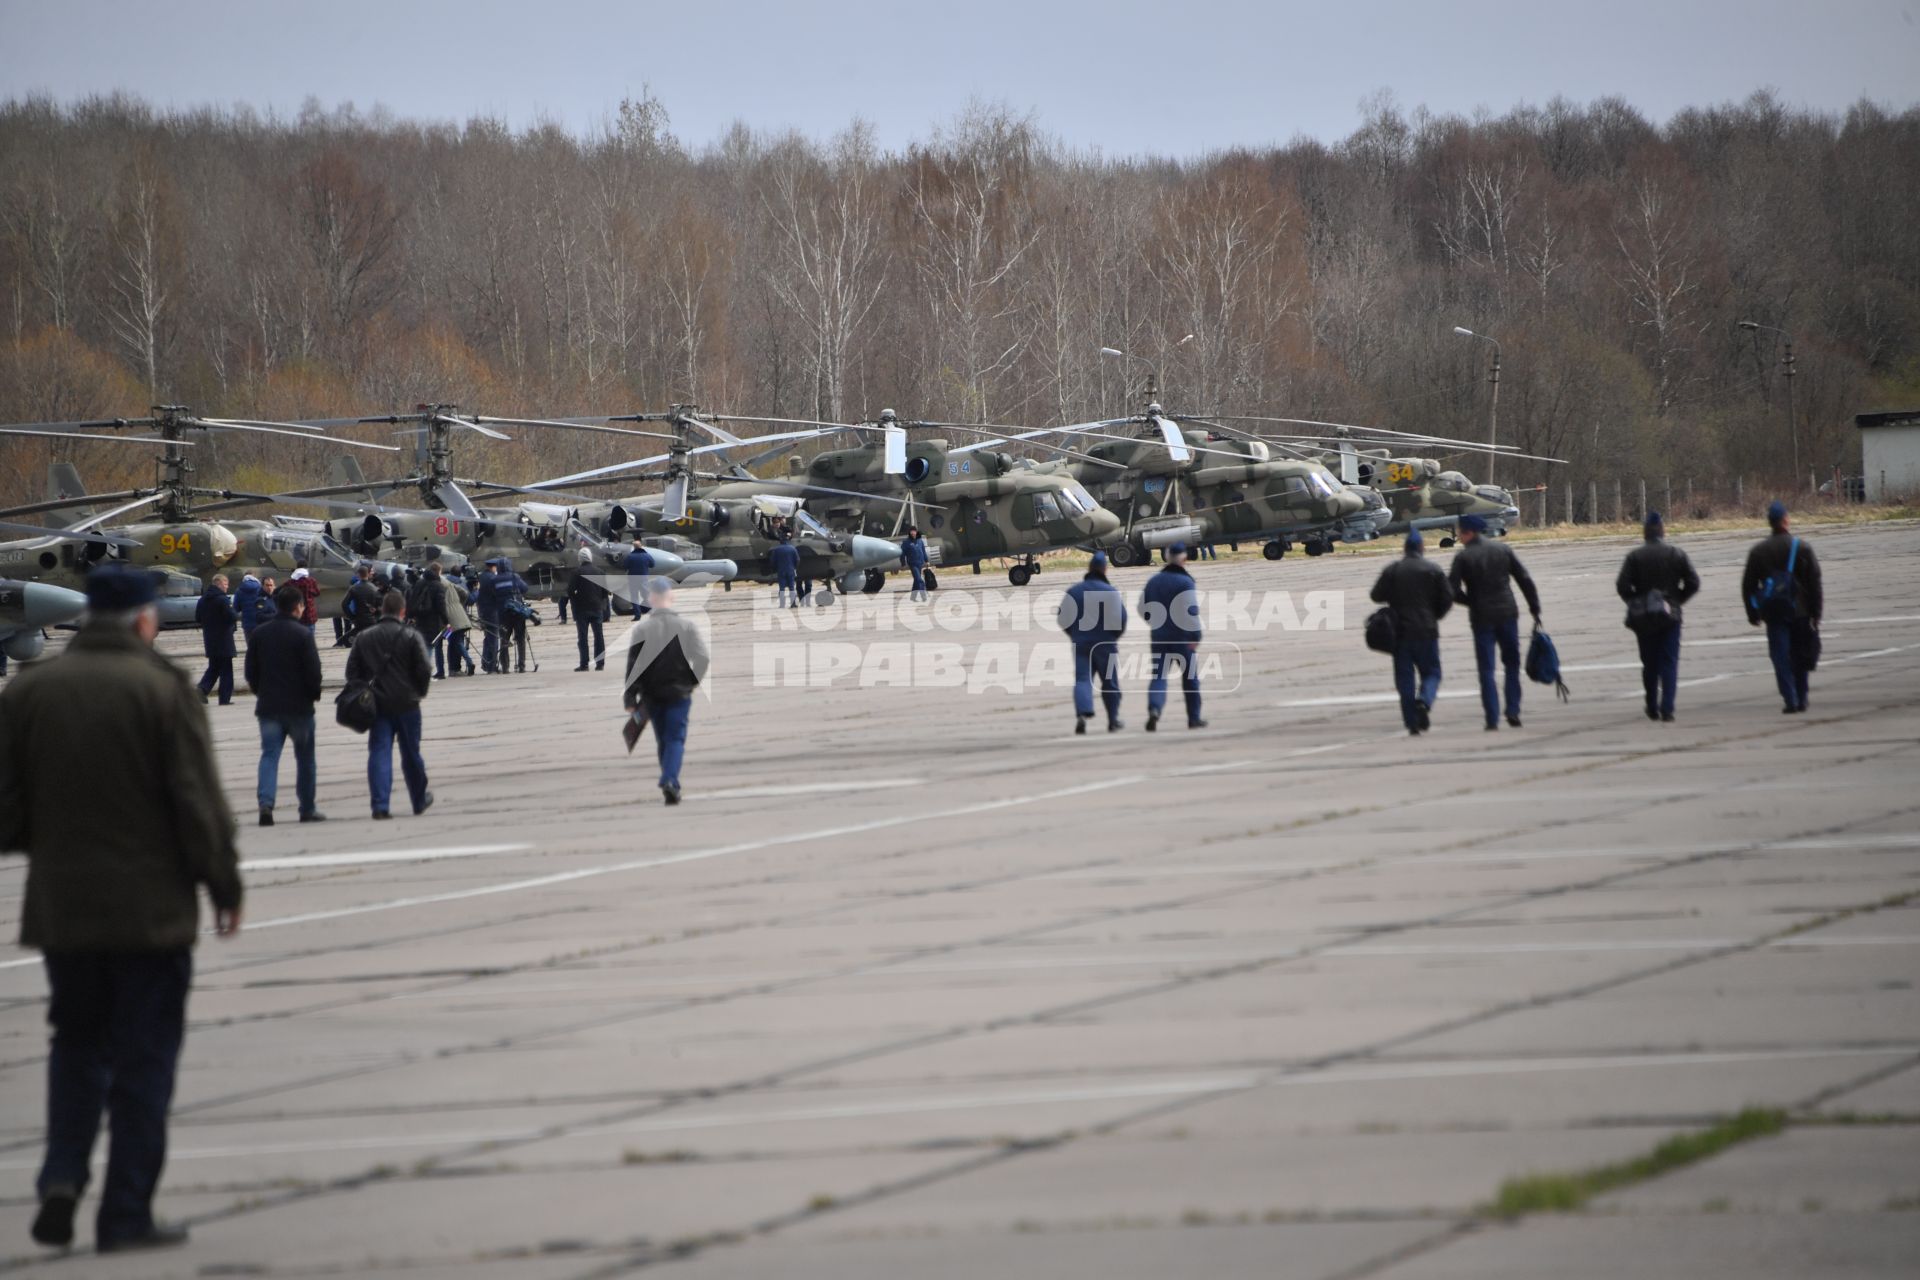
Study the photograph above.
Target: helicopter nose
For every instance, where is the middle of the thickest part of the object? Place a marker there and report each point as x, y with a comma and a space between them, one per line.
44, 605
1105, 524
873, 553
1350, 503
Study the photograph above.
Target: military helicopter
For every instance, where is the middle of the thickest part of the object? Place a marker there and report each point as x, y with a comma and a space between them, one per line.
1167, 484
181, 544
28, 607
736, 523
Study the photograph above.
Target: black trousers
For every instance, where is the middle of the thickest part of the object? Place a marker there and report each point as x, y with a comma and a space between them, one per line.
118, 1019
219, 671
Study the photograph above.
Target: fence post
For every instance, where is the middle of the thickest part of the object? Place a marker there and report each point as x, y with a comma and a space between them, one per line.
1689, 495
1569, 502
1617, 516
1669, 495
1643, 497
1740, 491
1593, 501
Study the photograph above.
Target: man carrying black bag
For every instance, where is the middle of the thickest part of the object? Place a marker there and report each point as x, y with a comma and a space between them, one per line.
1781, 588
1417, 597
1655, 580
391, 659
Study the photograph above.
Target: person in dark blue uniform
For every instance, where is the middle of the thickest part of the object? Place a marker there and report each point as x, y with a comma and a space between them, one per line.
1781, 588
913, 554
785, 558
216, 616
1654, 566
1094, 616
1171, 605
639, 569
1416, 590
1481, 577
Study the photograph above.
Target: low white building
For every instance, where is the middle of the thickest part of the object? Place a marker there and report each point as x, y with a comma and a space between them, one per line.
1890, 455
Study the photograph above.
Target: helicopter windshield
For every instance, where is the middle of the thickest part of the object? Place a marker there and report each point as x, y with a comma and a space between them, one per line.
1324, 485
1075, 500
331, 553
1452, 481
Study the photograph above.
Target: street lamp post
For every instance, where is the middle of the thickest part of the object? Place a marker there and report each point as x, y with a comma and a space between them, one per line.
1493, 417
1153, 387
1786, 367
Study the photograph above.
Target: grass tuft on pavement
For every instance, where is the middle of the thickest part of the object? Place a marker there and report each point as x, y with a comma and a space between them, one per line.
1567, 1192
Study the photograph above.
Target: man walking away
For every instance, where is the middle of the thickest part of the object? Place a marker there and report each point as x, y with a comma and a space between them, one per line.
459, 624
112, 894
1415, 589
589, 600
1171, 605
666, 660
639, 569
1781, 588
391, 657
1480, 577
511, 590
427, 610
913, 554
1094, 616
252, 604
309, 594
216, 616
1655, 580
283, 670
785, 558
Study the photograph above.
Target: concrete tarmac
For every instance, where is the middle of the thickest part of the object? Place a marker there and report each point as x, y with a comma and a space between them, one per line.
918, 983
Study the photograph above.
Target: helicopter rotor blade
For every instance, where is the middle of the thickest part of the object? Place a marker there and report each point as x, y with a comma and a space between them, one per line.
93, 521
803, 487
85, 435
453, 421
42, 532
298, 435
569, 425
257, 422
456, 502
673, 505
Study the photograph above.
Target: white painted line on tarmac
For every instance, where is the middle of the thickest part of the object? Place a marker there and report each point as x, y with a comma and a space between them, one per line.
805, 789
376, 857
1898, 840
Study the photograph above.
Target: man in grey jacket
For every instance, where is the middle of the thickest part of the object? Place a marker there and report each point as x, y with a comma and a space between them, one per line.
1481, 577
391, 656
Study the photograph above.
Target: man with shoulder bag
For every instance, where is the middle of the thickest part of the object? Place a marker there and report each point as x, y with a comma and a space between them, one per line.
1655, 580
1416, 596
389, 665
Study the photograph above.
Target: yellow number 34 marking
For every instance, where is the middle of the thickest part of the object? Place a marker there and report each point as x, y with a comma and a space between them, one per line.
1399, 473
170, 544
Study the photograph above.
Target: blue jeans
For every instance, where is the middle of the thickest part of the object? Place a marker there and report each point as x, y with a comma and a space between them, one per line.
581, 625
221, 670
274, 732
1177, 655
118, 1019
1507, 636
669, 721
490, 646
462, 655
1788, 671
1416, 674
1104, 659
1660, 667
919, 573
403, 729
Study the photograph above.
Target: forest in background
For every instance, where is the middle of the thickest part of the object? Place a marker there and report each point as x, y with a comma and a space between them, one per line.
344, 263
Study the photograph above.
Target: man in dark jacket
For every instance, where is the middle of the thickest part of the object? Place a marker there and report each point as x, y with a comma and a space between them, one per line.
427, 611
1171, 606
1094, 616
216, 616
1415, 589
309, 592
392, 658
589, 600
639, 569
913, 554
283, 670
1480, 576
252, 604
363, 601
1655, 566
113, 872
1781, 587
785, 559
666, 660
510, 590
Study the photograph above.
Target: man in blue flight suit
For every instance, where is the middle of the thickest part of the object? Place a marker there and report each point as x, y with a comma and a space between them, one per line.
1415, 589
486, 603
1094, 616
1781, 587
1479, 577
1171, 606
785, 558
639, 569
216, 616
1655, 566
913, 554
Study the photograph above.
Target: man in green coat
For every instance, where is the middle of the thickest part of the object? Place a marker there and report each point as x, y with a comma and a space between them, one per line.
114, 866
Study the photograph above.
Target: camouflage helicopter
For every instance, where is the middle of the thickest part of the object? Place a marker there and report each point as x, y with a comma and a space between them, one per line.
182, 544
1418, 491
735, 523
1167, 484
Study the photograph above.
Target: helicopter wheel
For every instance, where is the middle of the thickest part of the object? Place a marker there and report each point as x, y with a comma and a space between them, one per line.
822, 598
1019, 575
1316, 548
926, 576
1274, 550
875, 583
1124, 555
1446, 542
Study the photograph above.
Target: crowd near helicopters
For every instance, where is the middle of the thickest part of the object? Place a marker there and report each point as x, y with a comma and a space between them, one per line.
1131, 485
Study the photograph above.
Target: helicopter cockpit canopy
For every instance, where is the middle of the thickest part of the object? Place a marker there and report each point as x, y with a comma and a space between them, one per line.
1453, 482
1494, 493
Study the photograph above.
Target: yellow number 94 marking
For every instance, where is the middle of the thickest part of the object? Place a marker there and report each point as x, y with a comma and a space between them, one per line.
170, 544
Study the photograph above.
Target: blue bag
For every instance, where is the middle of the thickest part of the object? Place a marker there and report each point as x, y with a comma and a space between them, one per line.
1543, 664
1778, 600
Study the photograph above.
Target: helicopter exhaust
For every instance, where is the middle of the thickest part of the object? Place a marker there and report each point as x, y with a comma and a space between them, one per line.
1167, 535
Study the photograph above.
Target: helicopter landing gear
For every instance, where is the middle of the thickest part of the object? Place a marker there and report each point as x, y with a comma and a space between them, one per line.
1274, 550
875, 583
926, 576
1446, 542
823, 596
1125, 555
1317, 547
1020, 575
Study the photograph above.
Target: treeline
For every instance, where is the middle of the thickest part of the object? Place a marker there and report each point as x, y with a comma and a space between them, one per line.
344, 264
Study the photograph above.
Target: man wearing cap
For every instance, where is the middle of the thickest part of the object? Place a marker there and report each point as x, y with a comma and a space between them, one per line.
1481, 576
639, 568
1094, 616
1781, 588
111, 899
1171, 606
785, 559
1415, 589
216, 615
486, 601
309, 595
1655, 566
666, 660
283, 670
589, 601
913, 554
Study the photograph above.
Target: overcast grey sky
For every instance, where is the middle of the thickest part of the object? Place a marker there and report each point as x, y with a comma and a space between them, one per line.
1124, 76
